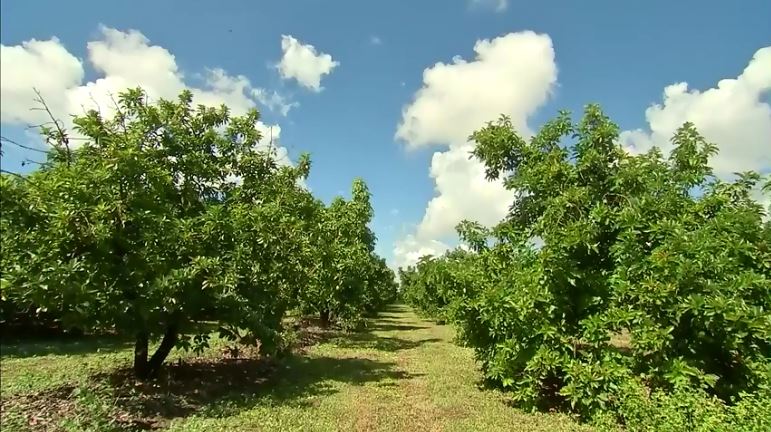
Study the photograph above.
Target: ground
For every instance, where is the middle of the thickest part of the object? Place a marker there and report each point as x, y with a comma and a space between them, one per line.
400, 374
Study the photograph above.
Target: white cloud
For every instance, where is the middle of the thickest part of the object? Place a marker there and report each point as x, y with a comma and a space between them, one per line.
463, 192
302, 62
375, 40
124, 59
732, 115
31, 64
514, 75
271, 139
409, 249
274, 101
496, 5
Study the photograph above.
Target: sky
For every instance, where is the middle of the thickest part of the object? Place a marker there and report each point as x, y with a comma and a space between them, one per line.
390, 91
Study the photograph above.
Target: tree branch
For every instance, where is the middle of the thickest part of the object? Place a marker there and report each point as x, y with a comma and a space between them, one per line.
10, 141
14, 174
28, 160
62, 137
119, 113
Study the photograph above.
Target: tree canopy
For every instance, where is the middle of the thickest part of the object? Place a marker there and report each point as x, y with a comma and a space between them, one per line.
650, 271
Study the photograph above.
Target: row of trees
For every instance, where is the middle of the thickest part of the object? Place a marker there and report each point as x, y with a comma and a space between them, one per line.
166, 216
613, 276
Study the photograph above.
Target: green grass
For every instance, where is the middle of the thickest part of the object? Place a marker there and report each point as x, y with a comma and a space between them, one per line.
401, 374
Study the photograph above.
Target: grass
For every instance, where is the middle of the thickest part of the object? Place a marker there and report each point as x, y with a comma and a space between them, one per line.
401, 374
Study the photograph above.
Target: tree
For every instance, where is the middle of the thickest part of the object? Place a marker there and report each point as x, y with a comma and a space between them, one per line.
165, 213
647, 249
349, 278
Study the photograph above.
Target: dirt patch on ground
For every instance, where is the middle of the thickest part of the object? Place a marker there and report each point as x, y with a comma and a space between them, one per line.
37, 410
306, 332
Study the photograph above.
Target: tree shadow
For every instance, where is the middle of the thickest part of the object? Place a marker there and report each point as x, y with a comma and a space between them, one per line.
216, 388
391, 320
395, 327
204, 387
396, 307
393, 311
74, 345
379, 343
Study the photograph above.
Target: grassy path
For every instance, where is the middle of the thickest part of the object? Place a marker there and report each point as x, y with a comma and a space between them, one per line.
402, 374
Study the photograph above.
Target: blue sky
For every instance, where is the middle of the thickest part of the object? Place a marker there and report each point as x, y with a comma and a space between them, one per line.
620, 54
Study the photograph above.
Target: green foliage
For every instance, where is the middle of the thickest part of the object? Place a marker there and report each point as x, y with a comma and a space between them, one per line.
649, 268
433, 285
685, 409
348, 279
167, 215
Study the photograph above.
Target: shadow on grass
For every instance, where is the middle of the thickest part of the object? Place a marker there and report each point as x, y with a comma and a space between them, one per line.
210, 388
80, 345
215, 387
393, 311
395, 327
380, 343
396, 307
225, 387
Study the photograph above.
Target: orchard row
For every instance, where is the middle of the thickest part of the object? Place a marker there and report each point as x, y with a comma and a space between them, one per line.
166, 217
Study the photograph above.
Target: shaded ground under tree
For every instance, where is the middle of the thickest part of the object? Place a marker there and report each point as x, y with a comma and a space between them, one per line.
401, 373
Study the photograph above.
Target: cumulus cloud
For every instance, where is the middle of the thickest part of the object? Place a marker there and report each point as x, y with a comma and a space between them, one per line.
496, 5
123, 59
274, 101
732, 115
31, 64
271, 140
513, 75
303, 63
408, 250
463, 192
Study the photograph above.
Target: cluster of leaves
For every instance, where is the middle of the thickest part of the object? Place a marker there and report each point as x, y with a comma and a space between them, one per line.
168, 215
609, 268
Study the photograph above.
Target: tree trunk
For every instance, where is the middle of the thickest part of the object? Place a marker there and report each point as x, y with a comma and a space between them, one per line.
167, 344
140, 355
324, 317
144, 369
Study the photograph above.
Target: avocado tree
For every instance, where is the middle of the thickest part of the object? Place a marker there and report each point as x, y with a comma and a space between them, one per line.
380, 287
649, 269
164, 215
348, 278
